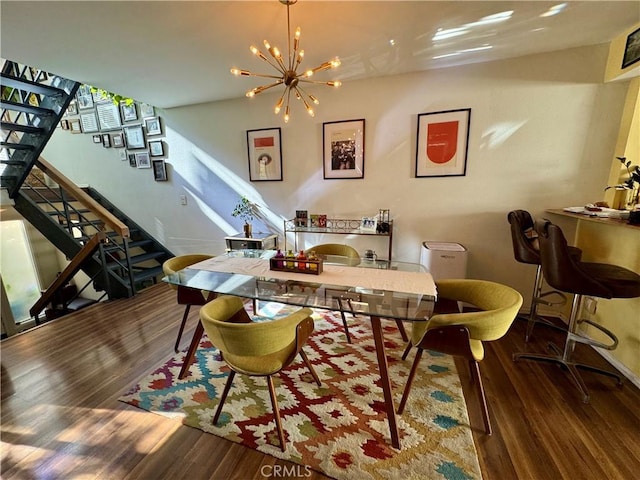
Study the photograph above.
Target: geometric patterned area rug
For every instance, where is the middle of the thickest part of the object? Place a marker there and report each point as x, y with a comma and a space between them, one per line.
340, 428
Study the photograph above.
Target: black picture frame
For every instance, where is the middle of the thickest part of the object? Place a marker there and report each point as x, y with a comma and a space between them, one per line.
343, 149
442, 143
159, 170
631, 49
264, 147
156, 148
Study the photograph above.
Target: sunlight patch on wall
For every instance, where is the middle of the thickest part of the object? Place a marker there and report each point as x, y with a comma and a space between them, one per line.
498, 134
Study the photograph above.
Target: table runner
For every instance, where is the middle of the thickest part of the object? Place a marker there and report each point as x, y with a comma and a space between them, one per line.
419, 283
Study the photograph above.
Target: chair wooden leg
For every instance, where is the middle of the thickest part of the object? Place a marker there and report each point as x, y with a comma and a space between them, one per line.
313, 372
344, 320
475, 369
407, 350
184, 321
412, 373
225, 392
276, 411
188, 359
403, 332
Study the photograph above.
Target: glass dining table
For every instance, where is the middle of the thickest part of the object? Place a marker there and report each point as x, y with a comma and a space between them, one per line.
400, 291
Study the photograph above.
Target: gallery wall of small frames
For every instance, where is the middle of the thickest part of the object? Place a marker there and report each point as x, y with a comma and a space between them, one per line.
134, 130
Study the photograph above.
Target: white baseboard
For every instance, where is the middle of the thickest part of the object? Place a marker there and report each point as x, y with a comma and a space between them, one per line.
606, 354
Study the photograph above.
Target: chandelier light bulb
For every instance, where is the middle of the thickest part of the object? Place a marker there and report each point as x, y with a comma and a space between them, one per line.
287, 71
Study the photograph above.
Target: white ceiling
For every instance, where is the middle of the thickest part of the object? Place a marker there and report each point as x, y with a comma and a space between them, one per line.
171, 53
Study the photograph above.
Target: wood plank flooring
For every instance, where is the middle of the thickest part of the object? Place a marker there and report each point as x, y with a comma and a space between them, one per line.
60, 418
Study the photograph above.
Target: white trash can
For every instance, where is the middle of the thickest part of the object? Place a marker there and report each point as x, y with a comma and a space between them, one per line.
444, 260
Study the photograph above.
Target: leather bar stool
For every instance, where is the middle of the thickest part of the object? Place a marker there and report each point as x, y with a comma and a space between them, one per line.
564, 272
526, 250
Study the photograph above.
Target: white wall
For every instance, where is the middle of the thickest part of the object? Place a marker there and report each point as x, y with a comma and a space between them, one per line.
542, 135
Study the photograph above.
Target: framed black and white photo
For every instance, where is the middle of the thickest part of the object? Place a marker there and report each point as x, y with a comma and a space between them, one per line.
143, 160
156, 148
343, 149
84, 97
97, 138
129, 112
75, 125
72, 109
134, 136
631, 49
159, 171
442, 143
123, 155
106, 140
132, 159
117, 139
153, 126
264, 147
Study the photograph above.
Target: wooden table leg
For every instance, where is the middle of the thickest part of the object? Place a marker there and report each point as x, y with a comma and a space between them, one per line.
386, 382
195, 341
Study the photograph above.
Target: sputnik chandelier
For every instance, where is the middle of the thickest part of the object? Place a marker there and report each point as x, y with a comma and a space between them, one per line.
288, 72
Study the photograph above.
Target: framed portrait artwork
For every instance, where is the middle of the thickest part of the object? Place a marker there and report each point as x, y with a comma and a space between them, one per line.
343, 149
631, 49
442, 143
156, 148
265, 155
153, 126
118, 140
106, 140
143, 160
159, 171
134, 136
84, 97
129, 112
146, 110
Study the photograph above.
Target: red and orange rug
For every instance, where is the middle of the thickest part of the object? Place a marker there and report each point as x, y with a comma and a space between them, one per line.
340, 428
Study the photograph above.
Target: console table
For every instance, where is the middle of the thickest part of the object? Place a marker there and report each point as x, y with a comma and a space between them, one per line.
258, 241
337, 226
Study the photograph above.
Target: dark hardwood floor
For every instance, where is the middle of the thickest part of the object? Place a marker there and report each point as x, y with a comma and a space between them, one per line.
61, 418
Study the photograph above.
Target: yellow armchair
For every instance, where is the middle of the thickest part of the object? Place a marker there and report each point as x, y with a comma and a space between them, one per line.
352, 255
462, 334
185, 295
256, 348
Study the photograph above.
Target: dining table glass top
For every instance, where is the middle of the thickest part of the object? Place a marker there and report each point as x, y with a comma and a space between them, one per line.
400, 290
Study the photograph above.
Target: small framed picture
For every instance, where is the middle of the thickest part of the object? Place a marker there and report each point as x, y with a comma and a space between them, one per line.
442, 143
72, 109
117, 140
368, 224
97, 139
89, 122
147, 110
129, 112
156, 148
159, 171
106, 140
134, 137
64, 124
153, 126
265, 155
631, 49
75, 126
343, 149
143, 160
123, 155
132, 160
84, 97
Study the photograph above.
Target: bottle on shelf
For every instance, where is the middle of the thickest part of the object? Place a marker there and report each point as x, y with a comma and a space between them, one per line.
280, 255
302, 265
290, 259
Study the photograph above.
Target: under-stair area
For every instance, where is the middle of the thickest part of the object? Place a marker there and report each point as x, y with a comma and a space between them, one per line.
97, 238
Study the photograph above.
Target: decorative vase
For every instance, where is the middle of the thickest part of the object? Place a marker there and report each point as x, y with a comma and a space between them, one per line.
247, 230
633, 198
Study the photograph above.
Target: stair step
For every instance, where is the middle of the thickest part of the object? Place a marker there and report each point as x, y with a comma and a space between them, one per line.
26, 108
131, 244
147, 273
17, 163
145, 257
16, 127
33, 87
17, 146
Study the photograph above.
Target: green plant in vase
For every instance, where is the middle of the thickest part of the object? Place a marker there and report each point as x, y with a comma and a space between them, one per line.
246, 211
631, 184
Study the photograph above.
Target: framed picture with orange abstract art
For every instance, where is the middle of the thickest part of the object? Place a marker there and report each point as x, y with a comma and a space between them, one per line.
442, 143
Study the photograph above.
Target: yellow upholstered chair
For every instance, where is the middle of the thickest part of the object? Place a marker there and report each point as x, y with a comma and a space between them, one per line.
256, 348
462, 334
352, 259
351, 254
186, 296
